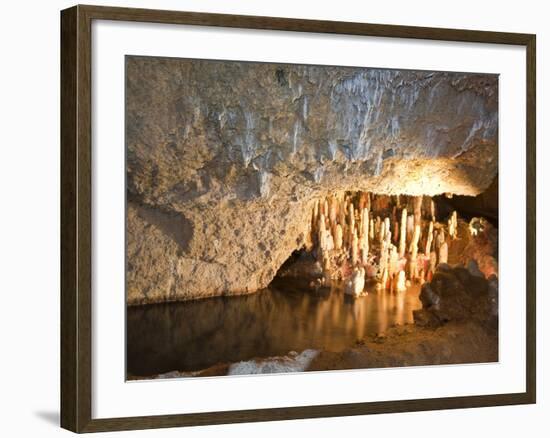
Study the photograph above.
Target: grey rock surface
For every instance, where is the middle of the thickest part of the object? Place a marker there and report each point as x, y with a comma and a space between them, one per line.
225, 159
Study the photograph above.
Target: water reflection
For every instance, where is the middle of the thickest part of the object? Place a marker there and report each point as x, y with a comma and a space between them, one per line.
195, 335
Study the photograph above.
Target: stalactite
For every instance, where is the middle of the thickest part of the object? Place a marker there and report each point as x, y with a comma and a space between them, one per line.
354, 248
395, 230
394, 261
338, 236
410, 227
403, 233
333, 209
342, 212
431, 265
365, 224
382, 232
429, 239
315, 211
371, 230
417, 202
414, 253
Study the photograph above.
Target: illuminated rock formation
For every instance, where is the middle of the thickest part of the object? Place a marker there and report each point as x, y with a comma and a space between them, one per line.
225, 161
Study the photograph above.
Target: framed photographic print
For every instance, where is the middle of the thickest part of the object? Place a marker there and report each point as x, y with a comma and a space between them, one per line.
268, 218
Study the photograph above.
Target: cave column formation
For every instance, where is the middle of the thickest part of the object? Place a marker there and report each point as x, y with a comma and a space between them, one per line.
371, 251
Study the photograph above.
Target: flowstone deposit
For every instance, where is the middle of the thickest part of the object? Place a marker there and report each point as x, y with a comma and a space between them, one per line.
226, 160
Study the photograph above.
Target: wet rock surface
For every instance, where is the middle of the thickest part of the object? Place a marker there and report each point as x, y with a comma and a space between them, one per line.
225, 159
456, 294
452, 343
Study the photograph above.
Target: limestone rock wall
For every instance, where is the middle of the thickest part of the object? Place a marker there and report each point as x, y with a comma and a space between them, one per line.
225, 159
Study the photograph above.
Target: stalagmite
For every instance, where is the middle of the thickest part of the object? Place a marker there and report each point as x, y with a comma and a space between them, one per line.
371, 229
356, 284
443, 253
364, 255
417, 202
440, 239
333, 210
382, 232
342, 212
354, 249
338, 236
377, 224
401, 281
414, 253
315, 211
365, 224
329, 241
432, 265
403, 233
308, 241
384, 281
410, 226
327, 274
453, 226
383, 259
429, 239
394, 259
364, 240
